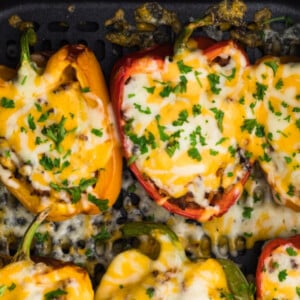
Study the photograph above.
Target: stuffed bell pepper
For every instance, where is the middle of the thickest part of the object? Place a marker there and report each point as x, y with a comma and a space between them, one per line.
58, 146
194, 120
168, 274
278, 272
42, 278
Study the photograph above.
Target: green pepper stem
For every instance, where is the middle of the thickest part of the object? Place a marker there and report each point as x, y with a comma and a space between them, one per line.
23, 252
238, 284
135, 229
28, 38
187, 31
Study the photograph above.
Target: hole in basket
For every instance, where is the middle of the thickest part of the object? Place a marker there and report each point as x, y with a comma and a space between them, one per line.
99, 48
46, 45
58, 26
11, 49
86, 26
83, 42
66, 247
63, 43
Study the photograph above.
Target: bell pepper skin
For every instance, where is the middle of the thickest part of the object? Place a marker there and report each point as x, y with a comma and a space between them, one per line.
42, 278
69, 128
171, 275
121, 74
284, 275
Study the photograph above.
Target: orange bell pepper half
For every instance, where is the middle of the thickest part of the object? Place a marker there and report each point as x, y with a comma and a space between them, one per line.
59, 148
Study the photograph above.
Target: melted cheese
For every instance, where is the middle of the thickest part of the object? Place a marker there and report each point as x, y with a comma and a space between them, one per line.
26, 280
181, 130
133, 275
253, 108
281, 273
52, 132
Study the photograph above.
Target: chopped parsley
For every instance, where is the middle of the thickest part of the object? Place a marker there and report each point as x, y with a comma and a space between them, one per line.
150, 89
181, 86
97, 132
31, 123
298, 290
279, 84
250, 124
273, 65
288, 159
194, 154
184, 69
43, 117
213, 152
166, 91
247, 212
7, 103
291, 251
85, 89
260, 91
182, 118
196, 109
214, 80
291, 190
57, 132
102, 204
54, 294
219, 115
161, 129
49, 164
196, 73
197, 134
146, 110
221, 140
231, 76
74, 191
282, 275
150, 292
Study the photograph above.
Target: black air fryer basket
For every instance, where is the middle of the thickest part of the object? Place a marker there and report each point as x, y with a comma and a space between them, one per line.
69, 22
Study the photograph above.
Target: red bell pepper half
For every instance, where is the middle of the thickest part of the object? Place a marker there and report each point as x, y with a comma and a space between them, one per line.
279, 257
121, 74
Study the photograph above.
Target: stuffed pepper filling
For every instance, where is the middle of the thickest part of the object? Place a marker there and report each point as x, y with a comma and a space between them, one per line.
193, 125
58, 147
182, 120
281, 273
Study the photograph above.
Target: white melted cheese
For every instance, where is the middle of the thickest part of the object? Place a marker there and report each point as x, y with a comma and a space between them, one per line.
51, 133
281, 273
255, 108
185, 130
132, 275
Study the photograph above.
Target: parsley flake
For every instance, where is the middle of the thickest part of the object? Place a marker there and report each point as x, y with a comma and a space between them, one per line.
31, 123
102, 204
273, 65
282, 275
214, 80
291, 251
7, 103
146, 110
184, 69
54, 294
97, 132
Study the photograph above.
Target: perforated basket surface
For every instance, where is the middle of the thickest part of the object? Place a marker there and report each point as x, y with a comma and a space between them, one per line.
58, 23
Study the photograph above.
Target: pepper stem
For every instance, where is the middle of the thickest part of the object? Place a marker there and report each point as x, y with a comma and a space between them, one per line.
23, 252
28, 38
187, 31
135, 229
